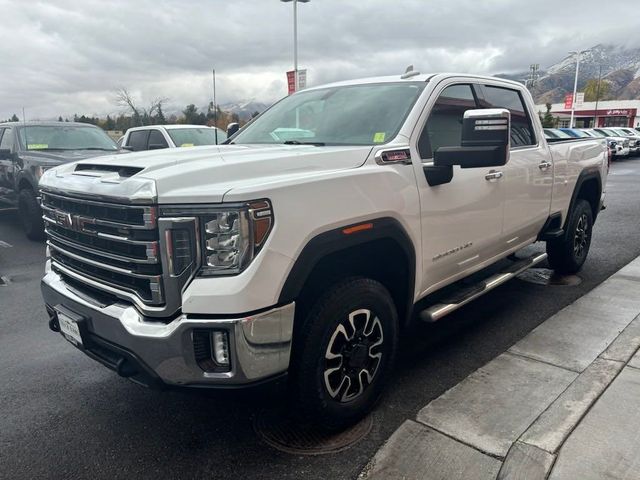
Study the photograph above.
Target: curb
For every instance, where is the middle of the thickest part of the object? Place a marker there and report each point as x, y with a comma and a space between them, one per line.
509, 418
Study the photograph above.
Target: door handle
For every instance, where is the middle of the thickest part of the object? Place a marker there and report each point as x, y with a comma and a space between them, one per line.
493, 175
544, 166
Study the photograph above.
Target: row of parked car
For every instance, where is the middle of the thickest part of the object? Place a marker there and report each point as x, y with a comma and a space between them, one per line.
622, 141
28, 149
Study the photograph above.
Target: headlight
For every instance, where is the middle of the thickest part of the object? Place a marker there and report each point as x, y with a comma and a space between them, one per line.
232, 237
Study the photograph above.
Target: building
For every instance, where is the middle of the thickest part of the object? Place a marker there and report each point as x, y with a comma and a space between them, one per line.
606, 113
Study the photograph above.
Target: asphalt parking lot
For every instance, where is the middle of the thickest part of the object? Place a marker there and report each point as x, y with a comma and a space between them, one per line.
65, 416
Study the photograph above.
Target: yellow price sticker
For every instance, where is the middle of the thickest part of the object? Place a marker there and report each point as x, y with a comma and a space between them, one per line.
378, 137
187, 145
37, 146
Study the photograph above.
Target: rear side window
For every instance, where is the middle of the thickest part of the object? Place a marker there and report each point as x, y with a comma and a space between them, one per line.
156, 140
444, 125
7, 140
138, 140
521, 129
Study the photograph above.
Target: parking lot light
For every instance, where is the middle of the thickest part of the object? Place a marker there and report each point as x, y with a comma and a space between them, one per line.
295, 37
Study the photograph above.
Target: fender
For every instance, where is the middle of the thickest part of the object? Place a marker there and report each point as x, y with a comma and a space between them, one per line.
336, 240
586, 174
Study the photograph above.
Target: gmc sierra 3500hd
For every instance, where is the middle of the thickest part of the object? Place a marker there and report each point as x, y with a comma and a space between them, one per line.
319, 231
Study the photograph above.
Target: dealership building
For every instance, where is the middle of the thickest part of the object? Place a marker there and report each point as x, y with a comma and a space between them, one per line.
608, 113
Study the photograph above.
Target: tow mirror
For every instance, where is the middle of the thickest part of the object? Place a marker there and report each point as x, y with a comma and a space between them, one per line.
5, 153
232, 128
485, 142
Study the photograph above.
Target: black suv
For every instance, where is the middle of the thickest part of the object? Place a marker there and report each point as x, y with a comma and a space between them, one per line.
28, 149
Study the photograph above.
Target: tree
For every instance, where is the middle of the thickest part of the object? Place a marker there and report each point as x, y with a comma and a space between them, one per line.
60, 118
14, 118
593, 94
140, 115
547, 119
191, 115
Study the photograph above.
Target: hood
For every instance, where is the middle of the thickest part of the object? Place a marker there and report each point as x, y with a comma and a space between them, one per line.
200, 174
63, 156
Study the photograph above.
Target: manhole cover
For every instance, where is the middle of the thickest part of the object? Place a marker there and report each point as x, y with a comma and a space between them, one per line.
283, 433
545, 276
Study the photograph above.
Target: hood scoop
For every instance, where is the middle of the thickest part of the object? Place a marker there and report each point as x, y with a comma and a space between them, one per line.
92, 170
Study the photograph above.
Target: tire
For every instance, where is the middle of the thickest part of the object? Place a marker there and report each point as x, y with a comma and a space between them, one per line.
338, 373
567, 254
30, 215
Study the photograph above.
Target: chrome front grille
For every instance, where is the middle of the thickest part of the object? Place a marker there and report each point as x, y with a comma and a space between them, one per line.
114, 246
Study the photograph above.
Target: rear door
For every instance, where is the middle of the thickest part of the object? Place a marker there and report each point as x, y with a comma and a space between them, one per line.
138, 140
461, 220
528, 176
157, 140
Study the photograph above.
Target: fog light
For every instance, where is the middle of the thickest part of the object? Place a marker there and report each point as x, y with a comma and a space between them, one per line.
220, 344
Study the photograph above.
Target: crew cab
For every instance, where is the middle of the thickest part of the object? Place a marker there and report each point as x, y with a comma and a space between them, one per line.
27, 150
391, 200
157, 137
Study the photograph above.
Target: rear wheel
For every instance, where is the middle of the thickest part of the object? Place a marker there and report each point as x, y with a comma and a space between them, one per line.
30, 215
568, 254
344, 354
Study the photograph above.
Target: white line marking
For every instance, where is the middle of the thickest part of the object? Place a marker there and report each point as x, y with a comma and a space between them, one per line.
5, 244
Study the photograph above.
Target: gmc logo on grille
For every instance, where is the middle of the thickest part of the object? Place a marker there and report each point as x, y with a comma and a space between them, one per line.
64, 220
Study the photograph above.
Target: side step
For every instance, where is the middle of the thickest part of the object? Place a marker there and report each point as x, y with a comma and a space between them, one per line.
464, 296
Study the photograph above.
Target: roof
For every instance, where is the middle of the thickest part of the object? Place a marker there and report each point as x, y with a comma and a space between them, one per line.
46, 124
171, 127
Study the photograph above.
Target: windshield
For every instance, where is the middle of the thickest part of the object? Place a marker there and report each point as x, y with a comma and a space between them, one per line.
559, 133
597, 133
622, 133
65, 137
348, 115
192, 137
578, 133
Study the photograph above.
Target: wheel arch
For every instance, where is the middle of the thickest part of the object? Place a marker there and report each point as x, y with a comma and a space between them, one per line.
588, 187
381, 250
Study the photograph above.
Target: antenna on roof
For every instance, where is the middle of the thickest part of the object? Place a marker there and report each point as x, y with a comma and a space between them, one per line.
409, 72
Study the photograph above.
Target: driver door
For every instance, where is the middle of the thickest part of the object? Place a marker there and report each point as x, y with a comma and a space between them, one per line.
461, 220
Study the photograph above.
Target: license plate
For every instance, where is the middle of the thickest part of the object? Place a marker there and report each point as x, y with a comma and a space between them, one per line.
69, 328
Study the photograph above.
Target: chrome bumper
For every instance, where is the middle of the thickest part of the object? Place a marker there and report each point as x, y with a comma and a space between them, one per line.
260, 344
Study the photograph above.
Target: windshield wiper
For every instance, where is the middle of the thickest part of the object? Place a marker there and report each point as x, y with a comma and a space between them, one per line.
94, 148
297, 142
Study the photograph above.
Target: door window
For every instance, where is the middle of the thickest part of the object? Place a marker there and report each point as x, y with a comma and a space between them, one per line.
7, 140
138, 140
521, 129
156, 140
444, 125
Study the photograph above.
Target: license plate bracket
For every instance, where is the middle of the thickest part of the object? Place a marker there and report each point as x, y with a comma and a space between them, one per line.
72, 326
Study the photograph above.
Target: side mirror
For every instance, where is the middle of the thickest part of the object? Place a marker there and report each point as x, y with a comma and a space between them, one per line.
157, 146
127, 148
485, 142
5, 153
232, 128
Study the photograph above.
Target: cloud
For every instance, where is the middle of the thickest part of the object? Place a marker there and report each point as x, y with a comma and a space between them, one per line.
61, 57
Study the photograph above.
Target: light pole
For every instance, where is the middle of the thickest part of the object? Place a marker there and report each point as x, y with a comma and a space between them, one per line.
575, 85
295, 37
215, 108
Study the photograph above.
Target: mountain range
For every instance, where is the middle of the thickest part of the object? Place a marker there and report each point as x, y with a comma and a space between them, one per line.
620, 69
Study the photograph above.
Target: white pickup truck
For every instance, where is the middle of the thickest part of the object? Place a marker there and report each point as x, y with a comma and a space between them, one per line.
314, 236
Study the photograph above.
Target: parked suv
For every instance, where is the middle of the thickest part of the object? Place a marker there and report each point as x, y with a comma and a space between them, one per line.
157, 137
305, 245
27, 150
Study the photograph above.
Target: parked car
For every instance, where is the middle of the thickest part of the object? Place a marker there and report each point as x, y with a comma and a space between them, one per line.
309, 255
27, 150
556, 133
626, 141
632, 135
156, 137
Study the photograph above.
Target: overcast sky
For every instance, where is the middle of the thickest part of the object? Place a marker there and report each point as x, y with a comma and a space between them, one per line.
60, 57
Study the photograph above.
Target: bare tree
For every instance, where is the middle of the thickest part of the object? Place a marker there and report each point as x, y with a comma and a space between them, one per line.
140, 115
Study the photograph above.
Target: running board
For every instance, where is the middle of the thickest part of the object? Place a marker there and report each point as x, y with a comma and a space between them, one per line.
464, 296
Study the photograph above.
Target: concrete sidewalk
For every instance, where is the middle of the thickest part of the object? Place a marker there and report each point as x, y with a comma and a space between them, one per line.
563, 403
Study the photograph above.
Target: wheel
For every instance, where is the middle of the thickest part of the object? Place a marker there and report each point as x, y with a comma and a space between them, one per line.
30, 215
344, 354
568, 253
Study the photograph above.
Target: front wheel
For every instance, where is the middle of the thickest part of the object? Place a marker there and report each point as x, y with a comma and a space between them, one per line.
30, 215
345, 353
568, 253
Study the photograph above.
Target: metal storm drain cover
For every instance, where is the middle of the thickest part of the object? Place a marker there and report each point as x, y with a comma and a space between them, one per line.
282, 433
544, 276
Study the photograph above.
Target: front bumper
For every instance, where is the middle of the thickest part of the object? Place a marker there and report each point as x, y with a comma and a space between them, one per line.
151, 352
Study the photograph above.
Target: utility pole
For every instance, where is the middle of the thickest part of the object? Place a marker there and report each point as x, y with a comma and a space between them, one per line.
215, 108
575, 85
295, 38
595, 115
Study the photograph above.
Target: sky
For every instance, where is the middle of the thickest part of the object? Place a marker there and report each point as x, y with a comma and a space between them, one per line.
66, 57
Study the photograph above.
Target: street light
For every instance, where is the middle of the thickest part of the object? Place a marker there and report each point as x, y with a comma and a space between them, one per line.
575, 84
295, 37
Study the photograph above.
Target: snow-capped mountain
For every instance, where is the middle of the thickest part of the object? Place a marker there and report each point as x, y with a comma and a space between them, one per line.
245, 110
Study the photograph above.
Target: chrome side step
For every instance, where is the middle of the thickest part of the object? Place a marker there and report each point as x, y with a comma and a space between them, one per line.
464, 296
